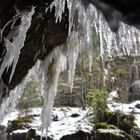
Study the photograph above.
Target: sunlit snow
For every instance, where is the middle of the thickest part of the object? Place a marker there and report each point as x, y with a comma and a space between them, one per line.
65, 123
129, 108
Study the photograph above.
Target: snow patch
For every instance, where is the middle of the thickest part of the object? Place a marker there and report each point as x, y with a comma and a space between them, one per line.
129, 108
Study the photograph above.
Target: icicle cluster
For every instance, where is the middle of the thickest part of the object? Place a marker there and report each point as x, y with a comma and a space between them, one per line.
14, 42
17, 35
81, 22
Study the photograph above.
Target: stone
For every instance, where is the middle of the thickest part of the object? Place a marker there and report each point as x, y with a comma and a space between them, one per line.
75, 115
80, 135
137, 106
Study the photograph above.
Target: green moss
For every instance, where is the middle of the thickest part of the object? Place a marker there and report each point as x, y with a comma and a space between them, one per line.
129, 137
120, 70
113, 134
104, 125
119, 119
116, 120
19, 123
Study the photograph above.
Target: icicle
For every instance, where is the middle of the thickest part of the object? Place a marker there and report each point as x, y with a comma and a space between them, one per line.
101, 36
18, 35
59, 8
9, 103
91, 15
9, 56
50, 69
3, 91
73, 50
18, 41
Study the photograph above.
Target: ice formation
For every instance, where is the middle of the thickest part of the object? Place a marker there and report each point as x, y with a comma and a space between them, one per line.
9, 103
49, 70
14, 42
18, 36
82, 20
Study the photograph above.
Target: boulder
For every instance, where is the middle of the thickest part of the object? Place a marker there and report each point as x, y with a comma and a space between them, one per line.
80, 135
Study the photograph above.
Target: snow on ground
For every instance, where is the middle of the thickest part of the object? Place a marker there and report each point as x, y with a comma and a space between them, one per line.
126, 108
12, 116
69, 124
68, 120
116, 132
65, 121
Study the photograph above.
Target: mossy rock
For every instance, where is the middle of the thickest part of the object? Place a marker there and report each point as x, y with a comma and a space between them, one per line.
122, 121
112, 134
103, 125
19, 123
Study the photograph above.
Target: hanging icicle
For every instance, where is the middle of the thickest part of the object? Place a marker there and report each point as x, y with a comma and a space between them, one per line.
49, 70
18, 36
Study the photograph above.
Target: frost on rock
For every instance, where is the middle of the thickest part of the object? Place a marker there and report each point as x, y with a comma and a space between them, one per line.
49, 70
